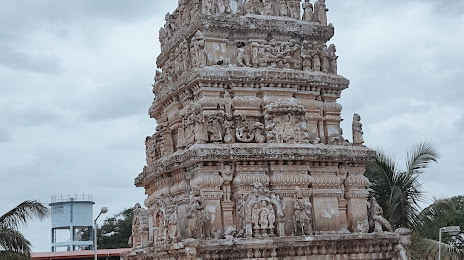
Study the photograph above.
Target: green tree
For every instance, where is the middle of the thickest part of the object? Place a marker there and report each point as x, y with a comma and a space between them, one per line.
13, 245
399, 192
442, 213
116, 230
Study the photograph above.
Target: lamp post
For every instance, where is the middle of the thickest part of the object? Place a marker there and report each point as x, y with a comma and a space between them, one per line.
453, 230
102, 211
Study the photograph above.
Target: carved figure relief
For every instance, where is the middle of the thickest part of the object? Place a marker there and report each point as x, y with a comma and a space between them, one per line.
140, 228
215, 127
320, 12
325, 63
198, 220
376, 220
286, 123
333, 59
227, 175
316, 57
247, 132
302, 218
294, 8
283, 11
308, 11
243, 58
268, 6
262, 213
197, 50
357, 130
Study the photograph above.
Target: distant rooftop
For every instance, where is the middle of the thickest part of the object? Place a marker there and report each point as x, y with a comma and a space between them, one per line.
74, 197
78, 254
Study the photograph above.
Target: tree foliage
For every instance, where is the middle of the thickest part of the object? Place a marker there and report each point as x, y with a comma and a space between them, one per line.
116, 230
399, 192
13, 245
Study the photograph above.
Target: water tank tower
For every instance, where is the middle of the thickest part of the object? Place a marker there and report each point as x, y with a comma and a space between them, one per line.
72, 222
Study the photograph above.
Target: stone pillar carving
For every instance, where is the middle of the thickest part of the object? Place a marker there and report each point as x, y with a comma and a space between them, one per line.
332, 118
356, 194
208, 179
326, 191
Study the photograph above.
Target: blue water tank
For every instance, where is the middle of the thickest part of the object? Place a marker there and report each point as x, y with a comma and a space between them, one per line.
72, 222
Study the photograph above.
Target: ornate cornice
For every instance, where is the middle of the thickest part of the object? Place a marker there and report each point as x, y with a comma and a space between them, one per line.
252, 152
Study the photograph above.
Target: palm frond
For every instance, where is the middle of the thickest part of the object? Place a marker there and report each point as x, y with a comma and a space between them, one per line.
14, 241
420, 156
422, 248
25, 211
13, 255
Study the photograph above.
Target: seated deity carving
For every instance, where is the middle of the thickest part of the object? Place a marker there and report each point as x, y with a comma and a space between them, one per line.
262, 213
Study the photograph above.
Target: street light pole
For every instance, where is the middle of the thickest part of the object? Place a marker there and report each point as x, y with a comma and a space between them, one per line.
453, 230
102, 211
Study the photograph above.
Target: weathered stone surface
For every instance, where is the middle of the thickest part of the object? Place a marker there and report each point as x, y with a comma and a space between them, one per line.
248, 160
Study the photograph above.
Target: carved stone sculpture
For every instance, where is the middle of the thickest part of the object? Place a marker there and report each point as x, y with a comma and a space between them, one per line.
248, 160
376, 219
333, 59
302, 218
357, 130
283, 9
197, 50
243, 58
320, 12
308, 11
197, 217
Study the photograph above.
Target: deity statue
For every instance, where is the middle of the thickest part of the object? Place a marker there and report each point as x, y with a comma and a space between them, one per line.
200, 131
320, 12
268, 6
316, 57
308, 11
215, 128
197, 50
233, 6
325, 63
197, 215
307, 57
227, 175
283, 11
243, 59
333, 59
208, 6
357, 130
376, 220
294, 8
302, 218
223, 6
172, 223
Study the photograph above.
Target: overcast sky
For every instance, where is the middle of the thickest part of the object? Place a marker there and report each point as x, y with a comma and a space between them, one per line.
75, 87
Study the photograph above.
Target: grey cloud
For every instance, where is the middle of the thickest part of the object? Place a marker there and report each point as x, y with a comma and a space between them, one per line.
43, 63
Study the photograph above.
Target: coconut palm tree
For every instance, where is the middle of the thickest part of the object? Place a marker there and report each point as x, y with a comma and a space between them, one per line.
399, 192
441, 213
13, 245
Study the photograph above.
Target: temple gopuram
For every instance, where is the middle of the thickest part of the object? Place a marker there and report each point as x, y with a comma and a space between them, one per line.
248, 160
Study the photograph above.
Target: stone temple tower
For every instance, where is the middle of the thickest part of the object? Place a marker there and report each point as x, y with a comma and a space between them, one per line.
248, 160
